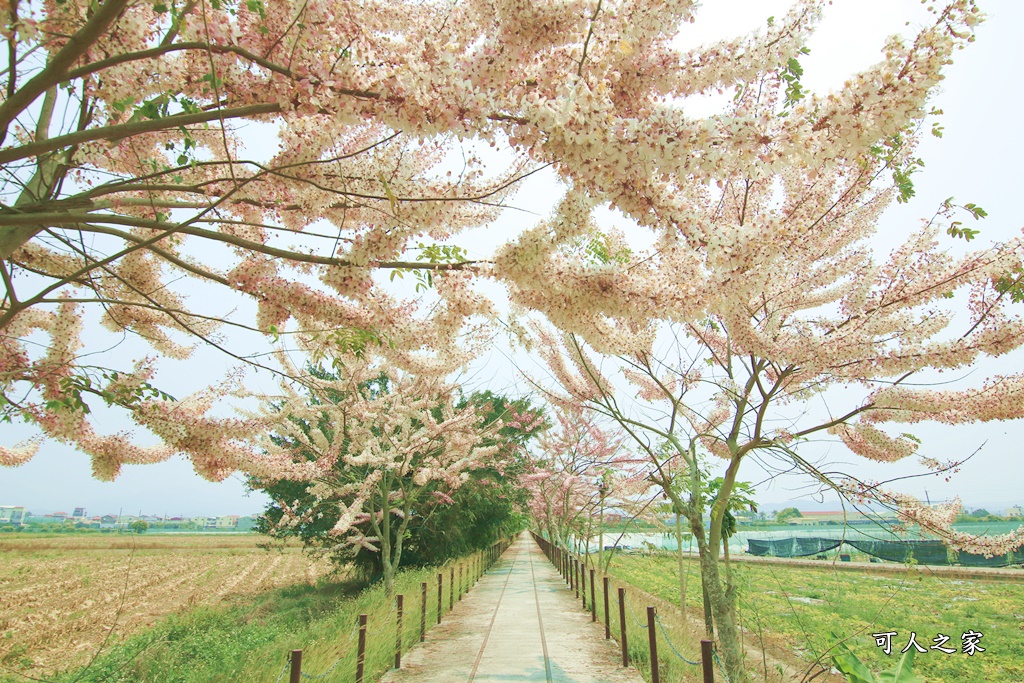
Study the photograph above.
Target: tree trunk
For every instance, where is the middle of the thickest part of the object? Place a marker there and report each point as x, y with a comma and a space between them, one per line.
723, 606
682, 573
728, 564
389, 576
722, 603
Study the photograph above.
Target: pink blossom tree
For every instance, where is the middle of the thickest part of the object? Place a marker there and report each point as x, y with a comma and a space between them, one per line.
578, 470
378, 447
130, 185
133, 192
761, 293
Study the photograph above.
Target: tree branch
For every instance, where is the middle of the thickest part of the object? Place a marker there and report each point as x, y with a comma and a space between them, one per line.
77, 45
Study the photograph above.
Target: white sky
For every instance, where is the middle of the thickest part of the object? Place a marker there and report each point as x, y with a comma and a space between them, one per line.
978, 160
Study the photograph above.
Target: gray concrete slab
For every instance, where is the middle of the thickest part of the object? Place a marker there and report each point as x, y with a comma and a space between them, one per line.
519, 623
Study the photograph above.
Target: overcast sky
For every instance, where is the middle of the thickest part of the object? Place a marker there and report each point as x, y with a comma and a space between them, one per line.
977, 160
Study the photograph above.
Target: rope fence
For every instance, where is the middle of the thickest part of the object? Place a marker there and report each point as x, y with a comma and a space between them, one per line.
462, 576
573, 568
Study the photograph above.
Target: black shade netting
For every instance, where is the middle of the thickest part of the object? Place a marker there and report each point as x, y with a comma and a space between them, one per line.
791, 547
922, 552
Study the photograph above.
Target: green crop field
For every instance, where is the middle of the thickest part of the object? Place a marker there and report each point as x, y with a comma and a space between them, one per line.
795, 608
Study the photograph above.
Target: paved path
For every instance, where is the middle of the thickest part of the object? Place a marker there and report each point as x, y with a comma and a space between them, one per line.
519, 623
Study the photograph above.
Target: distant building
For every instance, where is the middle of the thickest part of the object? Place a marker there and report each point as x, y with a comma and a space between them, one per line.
79, 513
838, 517
12, 514
1015, 511
227, 522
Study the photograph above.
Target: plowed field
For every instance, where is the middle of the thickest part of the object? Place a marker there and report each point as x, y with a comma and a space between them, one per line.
62, 597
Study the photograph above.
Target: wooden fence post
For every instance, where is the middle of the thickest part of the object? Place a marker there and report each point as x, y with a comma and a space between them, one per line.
423, 613
607, 613
652, 638
593, 601
296, 672
451, 591
440, 594
622, 625
583, 583
705, 659
361, 651
398, 633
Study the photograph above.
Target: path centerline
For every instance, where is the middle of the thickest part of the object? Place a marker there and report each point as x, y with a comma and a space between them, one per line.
540, 625
494, 615
518, 623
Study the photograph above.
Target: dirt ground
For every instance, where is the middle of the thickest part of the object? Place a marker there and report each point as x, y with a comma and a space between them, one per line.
61, 597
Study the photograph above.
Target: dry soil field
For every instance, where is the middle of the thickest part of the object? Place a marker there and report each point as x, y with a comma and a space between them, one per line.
62, 596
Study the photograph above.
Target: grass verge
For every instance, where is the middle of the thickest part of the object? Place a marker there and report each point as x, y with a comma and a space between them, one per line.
796, 608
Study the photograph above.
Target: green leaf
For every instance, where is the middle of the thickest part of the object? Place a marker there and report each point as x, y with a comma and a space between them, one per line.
390, 195
256, 6
901, 673
791, 75
976, 211
122, 105
849, 665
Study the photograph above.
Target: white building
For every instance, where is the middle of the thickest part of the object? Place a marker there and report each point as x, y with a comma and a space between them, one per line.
12, 514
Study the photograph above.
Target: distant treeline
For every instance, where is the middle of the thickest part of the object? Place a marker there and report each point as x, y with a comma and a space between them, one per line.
153, 527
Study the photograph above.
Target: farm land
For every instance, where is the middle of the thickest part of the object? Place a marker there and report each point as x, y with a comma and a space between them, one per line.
63, 597
793, 610
226, 603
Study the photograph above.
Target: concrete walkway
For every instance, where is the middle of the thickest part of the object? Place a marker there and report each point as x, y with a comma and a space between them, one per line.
519, 623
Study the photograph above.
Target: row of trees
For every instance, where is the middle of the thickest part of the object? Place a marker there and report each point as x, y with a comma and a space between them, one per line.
133, 196
400, 471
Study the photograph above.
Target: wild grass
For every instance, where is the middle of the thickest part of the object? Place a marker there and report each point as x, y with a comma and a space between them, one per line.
678, 638
795, 609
